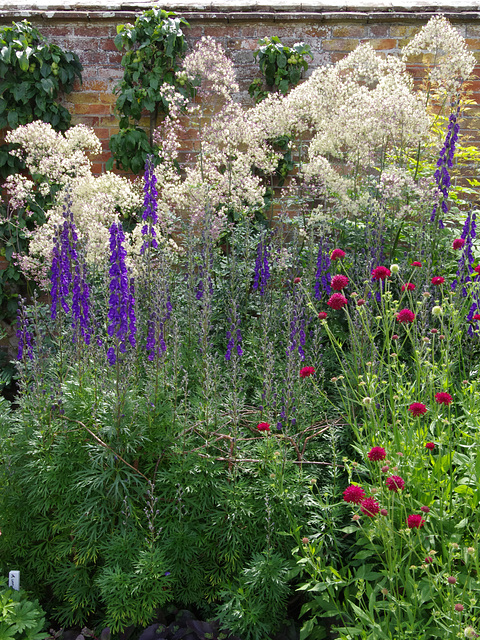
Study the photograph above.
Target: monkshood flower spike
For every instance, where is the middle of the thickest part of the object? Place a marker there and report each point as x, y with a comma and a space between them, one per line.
150, 215
444, 162
121, 312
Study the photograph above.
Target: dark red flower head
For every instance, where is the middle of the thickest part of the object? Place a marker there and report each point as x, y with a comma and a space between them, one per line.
430, 446
395, 483
322, 315
376, 454
443, 398
417, 409
436, 280
458, 243
416, 264
477, 268
263, 426
476, 316
339, 282
337, 301
369, 507
415, 521
353, 493
409, 286
405, 316
296, 280
337, 253
425, 509
380, 273
307, 371
428, 560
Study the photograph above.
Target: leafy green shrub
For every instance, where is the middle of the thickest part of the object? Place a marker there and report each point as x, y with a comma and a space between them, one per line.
20, 617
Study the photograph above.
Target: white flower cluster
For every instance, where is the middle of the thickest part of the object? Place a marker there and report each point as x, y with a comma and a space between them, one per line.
451, 62
229, 143
60, 160
209, 66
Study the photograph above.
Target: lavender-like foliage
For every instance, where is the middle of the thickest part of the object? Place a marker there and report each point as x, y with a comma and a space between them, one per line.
322, 276
444, 162
149, 216
121, 311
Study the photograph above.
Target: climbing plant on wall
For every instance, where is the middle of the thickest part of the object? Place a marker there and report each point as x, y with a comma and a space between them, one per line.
153, 47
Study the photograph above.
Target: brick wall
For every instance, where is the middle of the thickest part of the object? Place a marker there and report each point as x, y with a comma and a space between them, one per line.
330, 35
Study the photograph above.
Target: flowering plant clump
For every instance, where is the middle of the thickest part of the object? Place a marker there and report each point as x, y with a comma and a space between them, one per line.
417, 409
305, 372
376, 454
337, 254
185, 315
369, 507
443, 398
405, 316
415, 521
381, 273
337, 301
263, 426
339, 282
395, 483
354, 494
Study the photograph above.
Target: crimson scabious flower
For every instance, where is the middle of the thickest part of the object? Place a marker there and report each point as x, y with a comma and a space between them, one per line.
415, 264
322, 315
353, 493
307, 371
395, 483
409, 286
430, 446
443, 398
369, 507
383, 512
425, 509
336, 254
337, 301
405, 316
417, 409
458, 607
451, 580
339, 282
376, 454
296, 280
360, 302
263, 426
437, 280
415, 521
458, 243
477, 268
476, 316
380, 273
428, 560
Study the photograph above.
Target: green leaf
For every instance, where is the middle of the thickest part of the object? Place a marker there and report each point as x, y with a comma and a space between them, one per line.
12, 119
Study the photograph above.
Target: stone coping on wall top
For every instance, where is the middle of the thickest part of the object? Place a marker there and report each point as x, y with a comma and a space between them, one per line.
234, 8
